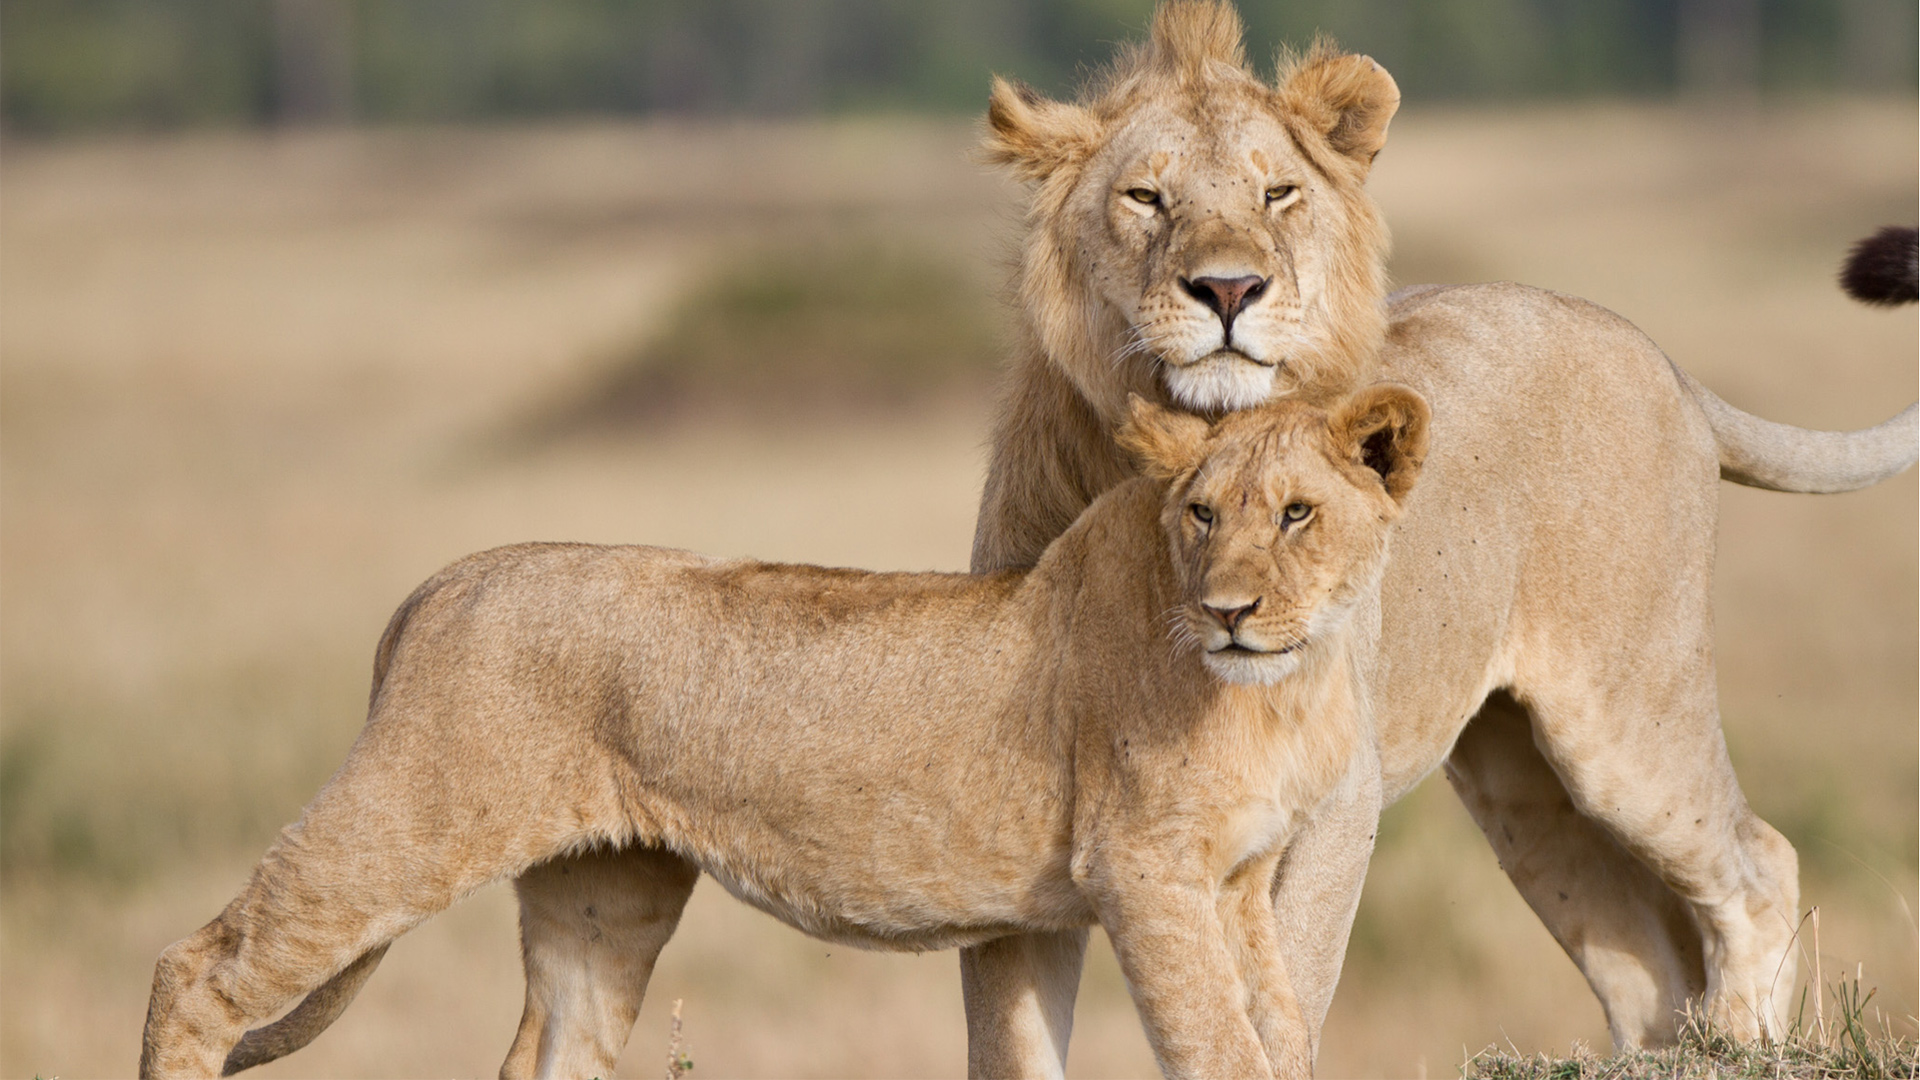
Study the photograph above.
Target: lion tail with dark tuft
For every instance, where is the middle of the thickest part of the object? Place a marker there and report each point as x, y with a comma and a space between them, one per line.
1884, 268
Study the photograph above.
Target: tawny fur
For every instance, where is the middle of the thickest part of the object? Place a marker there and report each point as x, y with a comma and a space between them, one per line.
902, 761
1546, 620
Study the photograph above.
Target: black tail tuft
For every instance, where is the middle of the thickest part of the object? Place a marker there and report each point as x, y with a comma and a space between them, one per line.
1884, 268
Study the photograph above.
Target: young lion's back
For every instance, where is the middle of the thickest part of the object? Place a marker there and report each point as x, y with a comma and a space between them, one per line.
741, 711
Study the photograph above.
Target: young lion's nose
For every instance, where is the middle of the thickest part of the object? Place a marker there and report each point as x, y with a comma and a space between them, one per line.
1230, 617
1225, 296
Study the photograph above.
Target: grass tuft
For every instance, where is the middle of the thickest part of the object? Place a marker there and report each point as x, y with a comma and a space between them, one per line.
1848, 1045
679, 1055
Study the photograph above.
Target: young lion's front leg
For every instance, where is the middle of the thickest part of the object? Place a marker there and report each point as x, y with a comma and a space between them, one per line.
1247, 920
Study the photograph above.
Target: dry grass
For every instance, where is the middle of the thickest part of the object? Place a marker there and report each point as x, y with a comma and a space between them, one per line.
800, 332
252, 390
1856, 1044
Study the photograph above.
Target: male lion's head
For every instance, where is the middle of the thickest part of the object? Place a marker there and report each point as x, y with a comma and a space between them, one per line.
1278, 517
1191, 218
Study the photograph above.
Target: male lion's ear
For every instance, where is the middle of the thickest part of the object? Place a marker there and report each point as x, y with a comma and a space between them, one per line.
1347, 98
1384, 428
1033, 134
1165, 443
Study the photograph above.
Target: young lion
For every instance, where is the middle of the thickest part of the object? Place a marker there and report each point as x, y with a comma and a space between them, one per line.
910, 761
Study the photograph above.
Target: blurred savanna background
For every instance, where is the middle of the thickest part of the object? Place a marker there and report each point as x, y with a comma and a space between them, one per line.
300, 300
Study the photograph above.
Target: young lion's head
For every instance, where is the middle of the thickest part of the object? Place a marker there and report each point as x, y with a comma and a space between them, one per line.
1278, 517
1191, 218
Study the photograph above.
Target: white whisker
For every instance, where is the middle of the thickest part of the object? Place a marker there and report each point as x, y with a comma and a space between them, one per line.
1180, 631
1139, 340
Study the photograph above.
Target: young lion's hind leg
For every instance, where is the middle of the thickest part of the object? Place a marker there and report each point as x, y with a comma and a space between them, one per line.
591, 927
353, 874
1627, 932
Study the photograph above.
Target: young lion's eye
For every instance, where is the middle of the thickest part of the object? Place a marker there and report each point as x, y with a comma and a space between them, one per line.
1202, 513
1295, 513
1281, 193
1145, 196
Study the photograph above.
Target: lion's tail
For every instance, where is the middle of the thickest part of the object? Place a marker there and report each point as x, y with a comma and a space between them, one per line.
1760, 453
323, 1006
1780, 457
1884, 268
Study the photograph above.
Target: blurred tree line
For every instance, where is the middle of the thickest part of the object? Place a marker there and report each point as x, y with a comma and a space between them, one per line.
87, 64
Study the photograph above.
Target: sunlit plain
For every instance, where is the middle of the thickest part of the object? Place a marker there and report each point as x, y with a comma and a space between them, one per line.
254, 387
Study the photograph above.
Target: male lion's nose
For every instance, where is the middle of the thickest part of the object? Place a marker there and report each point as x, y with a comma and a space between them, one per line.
1231, 617
1226, 297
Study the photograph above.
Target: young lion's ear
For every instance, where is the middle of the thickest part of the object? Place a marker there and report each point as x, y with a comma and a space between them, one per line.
1347, 98
1032, 133
1165, 443
1384, 427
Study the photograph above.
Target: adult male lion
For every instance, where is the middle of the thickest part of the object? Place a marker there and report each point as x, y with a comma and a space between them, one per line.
1201, 238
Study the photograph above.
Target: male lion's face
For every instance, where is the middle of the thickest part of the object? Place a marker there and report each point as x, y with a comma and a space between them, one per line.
1195, 224
1213, 241
1278, 519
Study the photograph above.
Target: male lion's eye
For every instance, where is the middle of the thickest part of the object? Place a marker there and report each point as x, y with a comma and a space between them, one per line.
1202, 512
1147, 196
1296, 512
1281, 193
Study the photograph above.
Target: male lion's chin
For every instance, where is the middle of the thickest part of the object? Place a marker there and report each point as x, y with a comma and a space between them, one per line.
1243, 668
1224, 381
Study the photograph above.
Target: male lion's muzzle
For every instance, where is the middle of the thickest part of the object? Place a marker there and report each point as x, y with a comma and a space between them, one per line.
1226, 297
